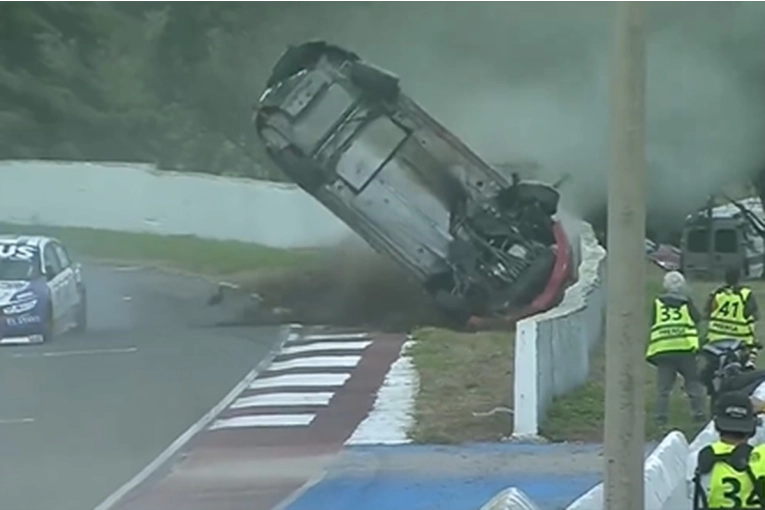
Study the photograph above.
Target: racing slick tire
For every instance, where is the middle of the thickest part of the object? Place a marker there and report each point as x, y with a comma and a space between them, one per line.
81, 316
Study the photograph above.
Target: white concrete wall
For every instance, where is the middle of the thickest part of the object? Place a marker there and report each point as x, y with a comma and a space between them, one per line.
664, 471
552, 349
137, 198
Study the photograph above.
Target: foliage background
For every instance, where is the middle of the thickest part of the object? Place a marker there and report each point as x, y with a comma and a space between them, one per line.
172, 83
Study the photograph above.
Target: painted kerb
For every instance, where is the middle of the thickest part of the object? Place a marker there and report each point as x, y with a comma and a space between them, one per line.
552, 349
138, 198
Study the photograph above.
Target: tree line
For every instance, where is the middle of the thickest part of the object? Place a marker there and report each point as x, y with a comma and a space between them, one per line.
169, 83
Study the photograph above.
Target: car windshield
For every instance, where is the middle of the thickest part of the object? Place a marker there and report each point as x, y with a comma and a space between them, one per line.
17, 269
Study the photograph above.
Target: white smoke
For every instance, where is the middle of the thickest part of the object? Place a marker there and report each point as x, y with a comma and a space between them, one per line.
528, 81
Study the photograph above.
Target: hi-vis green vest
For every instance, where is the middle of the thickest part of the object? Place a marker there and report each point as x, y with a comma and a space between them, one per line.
726, 486
673, 330
727, 319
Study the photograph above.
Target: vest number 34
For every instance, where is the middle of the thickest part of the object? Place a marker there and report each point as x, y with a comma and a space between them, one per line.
733, 493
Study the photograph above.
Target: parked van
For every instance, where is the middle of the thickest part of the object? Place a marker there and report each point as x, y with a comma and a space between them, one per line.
731, 235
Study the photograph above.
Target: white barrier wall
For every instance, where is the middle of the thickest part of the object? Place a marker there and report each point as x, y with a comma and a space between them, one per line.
552, 349
664, 472
137, 198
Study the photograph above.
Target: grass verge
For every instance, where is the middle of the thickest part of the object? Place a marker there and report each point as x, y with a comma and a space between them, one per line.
188, 253
579, 415
463, 377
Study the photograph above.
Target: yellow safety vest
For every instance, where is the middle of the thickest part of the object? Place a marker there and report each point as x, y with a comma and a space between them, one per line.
727, 319
729, 488
673, 330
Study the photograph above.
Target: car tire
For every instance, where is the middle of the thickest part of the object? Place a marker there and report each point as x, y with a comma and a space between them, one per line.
81, 317
49, 326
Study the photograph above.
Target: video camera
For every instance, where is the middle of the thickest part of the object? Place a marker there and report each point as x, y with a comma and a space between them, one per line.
728, 366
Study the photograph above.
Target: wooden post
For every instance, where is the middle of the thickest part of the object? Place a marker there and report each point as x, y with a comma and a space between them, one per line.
626, 321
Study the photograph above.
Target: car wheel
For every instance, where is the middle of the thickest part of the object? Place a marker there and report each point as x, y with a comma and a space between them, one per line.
48, 326
81, 319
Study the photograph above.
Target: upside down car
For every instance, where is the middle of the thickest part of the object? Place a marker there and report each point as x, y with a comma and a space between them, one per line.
483, 245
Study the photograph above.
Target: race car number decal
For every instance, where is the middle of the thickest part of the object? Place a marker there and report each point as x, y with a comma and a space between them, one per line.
17, 251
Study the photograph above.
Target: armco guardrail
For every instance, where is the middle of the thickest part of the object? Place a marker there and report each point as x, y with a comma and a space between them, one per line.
552, 349
137, 198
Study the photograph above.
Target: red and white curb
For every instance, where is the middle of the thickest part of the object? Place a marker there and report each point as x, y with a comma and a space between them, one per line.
318, 391
392, 416
306, 373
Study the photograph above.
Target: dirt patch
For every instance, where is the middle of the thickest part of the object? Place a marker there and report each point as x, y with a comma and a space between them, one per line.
350, 286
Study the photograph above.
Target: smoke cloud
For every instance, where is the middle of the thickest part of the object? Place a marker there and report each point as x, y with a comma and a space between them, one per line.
529, 82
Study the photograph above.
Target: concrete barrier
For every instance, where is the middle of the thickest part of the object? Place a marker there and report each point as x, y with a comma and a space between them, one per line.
664, 472
138, 198
552, 349
510, 499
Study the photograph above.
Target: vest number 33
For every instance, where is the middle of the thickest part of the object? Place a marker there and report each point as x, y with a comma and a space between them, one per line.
671, 314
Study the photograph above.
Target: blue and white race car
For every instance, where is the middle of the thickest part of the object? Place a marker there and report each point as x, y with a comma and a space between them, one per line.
42, 293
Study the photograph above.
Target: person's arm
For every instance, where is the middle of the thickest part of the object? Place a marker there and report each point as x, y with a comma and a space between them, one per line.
708, 305
696, 316
751, 309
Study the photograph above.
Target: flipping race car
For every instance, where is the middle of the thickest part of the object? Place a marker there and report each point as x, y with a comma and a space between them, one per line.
482, 244
42, 293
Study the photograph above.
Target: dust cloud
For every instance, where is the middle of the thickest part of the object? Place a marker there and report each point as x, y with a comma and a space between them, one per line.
529, 82
349, 286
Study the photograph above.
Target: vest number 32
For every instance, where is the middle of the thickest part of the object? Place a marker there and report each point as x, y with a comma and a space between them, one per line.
670, 314
733, 493
729, 309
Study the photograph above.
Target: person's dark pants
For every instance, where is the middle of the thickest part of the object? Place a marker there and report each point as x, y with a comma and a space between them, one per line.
668, 366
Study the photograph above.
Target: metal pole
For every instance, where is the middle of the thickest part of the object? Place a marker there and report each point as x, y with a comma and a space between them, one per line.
626, 328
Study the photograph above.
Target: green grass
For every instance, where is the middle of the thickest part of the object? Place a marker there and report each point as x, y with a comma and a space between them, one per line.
464, 373
187, 253
461, 374
579, 415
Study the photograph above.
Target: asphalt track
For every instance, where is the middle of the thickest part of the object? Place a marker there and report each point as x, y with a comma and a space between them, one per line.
81, 416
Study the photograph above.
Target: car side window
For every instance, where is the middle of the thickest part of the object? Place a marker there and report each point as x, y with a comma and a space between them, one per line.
51, 260
63, 256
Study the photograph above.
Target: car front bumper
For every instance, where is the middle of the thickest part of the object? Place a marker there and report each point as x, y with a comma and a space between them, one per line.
21, 340
26, 328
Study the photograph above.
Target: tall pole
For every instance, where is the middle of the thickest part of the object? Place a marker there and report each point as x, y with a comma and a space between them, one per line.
626, 328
